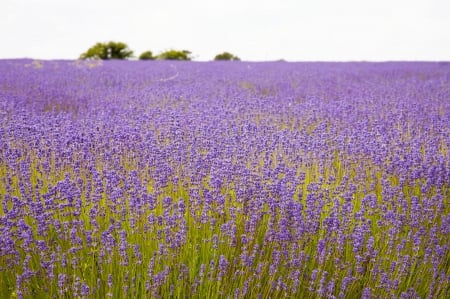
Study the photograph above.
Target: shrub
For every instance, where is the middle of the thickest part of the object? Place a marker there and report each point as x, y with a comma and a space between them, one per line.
110, 50
226, 56
147, 55
175, 55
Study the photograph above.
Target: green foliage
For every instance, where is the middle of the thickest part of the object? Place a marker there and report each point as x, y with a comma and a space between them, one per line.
98, 51
147, 55
175, 55
226, 56
110, 50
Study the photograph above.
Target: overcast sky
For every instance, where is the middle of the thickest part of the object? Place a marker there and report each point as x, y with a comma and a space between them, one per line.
294, 30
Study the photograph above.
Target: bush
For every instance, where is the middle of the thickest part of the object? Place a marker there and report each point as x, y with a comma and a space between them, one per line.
110, 50
226, 56
175, 55
147, 55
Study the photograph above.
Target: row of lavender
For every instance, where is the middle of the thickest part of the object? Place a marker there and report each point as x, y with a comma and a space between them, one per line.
208, 180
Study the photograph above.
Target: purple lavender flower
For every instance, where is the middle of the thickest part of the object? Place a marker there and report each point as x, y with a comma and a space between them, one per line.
223, 266
366, 293
61, 284
85, 290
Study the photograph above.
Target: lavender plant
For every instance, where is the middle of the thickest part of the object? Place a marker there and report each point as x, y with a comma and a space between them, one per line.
224, 180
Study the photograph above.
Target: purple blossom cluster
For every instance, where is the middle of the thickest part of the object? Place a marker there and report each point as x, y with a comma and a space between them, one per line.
126, 179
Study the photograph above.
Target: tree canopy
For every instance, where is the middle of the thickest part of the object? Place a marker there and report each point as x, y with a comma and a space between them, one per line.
109, 50
175, 55
147, 55
226, 56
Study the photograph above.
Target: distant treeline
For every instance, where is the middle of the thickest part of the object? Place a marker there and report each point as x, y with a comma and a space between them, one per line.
119, 50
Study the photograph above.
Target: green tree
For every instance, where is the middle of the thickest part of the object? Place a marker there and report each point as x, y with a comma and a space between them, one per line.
226, 56
175, 55
109, 50
147, 55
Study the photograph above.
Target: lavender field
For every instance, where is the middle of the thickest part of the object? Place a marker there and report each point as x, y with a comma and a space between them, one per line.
134, 179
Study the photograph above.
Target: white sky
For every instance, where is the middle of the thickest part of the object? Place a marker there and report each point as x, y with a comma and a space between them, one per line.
294, 30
